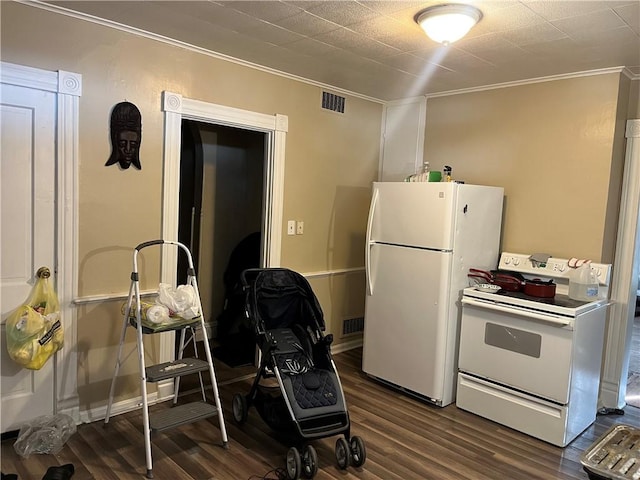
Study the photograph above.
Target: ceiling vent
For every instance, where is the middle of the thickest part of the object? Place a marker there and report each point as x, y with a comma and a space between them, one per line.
333, 102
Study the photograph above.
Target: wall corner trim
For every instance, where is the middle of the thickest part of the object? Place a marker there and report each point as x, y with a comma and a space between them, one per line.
625, 272
69, 83
282, 123
171, 102
633, 128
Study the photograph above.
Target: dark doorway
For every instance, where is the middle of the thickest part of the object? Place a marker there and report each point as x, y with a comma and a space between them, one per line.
190, 197
222, 174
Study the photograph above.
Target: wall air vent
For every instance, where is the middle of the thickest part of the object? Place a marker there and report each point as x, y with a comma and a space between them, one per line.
352, 325
333, 102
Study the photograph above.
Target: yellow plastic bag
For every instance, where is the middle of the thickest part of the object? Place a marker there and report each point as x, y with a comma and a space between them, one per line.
34, 329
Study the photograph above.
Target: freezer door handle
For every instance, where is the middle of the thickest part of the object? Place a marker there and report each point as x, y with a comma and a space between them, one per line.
372, 211
521, 312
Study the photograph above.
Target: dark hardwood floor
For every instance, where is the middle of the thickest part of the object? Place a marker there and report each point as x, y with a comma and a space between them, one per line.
406, 439
632, 396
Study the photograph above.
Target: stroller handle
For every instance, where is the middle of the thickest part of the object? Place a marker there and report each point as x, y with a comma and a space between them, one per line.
251, 272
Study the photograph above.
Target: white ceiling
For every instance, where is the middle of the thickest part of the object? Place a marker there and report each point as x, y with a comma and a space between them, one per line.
375, 48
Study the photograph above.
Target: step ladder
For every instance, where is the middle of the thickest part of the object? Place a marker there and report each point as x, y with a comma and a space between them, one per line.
179, 414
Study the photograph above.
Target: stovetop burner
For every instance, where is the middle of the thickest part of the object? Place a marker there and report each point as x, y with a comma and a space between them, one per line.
559, 300
556, 270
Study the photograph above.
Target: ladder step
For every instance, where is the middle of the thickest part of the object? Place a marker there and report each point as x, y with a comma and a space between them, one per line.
185, 366
181, 415
178, 325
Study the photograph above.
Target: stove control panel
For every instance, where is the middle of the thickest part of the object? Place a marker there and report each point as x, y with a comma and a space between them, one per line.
557, 268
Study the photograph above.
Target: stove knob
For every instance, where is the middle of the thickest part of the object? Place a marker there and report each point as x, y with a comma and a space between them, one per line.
507, 260
562, 267
516, 261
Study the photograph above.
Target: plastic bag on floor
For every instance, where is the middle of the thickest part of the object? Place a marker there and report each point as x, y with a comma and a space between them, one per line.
45, 434
34, 329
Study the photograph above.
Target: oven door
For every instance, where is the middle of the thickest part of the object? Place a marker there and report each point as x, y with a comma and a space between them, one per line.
525, 350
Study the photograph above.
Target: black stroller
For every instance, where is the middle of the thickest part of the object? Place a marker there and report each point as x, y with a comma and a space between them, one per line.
308, 402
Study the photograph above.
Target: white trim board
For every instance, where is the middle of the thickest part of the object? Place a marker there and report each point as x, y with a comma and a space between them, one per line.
176, 108
68, 89
624, 282
122, 296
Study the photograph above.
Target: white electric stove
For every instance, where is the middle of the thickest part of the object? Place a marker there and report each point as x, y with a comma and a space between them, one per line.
532, 363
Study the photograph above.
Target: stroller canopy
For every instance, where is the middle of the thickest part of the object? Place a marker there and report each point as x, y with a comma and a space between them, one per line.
281, 298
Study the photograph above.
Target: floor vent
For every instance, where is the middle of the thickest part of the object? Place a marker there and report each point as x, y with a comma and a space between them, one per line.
352, 325
333, 102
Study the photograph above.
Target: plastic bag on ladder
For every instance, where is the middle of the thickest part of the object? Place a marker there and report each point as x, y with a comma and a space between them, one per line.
180, 301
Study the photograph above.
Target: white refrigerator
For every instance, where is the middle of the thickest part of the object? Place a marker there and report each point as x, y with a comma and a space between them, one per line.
422, 238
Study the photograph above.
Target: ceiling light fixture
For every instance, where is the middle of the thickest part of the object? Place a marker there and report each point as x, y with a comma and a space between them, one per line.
449, 22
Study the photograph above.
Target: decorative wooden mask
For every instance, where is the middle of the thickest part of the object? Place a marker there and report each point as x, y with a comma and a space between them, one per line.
126, 136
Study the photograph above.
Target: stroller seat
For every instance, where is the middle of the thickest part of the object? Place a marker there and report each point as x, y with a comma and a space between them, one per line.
310, 386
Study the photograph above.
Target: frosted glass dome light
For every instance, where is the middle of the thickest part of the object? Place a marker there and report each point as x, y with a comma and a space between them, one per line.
447, 23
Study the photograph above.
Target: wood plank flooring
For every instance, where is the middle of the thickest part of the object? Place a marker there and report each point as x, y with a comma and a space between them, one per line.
406, 440
632, 397
634, 357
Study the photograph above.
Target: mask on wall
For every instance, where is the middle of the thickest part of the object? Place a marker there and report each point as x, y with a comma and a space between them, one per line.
126, 135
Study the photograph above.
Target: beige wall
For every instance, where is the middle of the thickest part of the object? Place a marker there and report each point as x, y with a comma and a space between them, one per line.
555, 148
331, 160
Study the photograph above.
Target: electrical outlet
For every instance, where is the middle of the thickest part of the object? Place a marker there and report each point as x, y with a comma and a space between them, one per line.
299, 228
291, 227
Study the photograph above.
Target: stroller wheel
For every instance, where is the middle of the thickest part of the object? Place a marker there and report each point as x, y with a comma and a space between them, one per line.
358, 451
239, 408
294, 464
343, 455
309, 461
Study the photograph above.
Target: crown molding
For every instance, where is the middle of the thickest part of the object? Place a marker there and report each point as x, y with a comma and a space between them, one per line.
629, 74
220, 56
187, 46
550, 78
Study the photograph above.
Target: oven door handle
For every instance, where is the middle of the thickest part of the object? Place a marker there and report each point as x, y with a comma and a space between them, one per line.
545, 317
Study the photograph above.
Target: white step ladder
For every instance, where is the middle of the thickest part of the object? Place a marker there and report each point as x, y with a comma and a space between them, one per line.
179, 414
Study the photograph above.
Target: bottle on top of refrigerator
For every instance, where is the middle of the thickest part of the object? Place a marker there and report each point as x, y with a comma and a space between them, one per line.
583, 283
446, 173
424, 175
421, 176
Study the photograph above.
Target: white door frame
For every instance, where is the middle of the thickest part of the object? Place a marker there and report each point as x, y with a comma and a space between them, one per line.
624, 284
176, 108
68, 88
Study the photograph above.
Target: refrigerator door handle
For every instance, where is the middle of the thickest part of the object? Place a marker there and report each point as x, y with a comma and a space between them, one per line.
372, 211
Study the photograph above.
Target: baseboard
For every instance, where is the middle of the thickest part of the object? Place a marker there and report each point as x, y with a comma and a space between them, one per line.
118, 408
345, 346
610, 395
